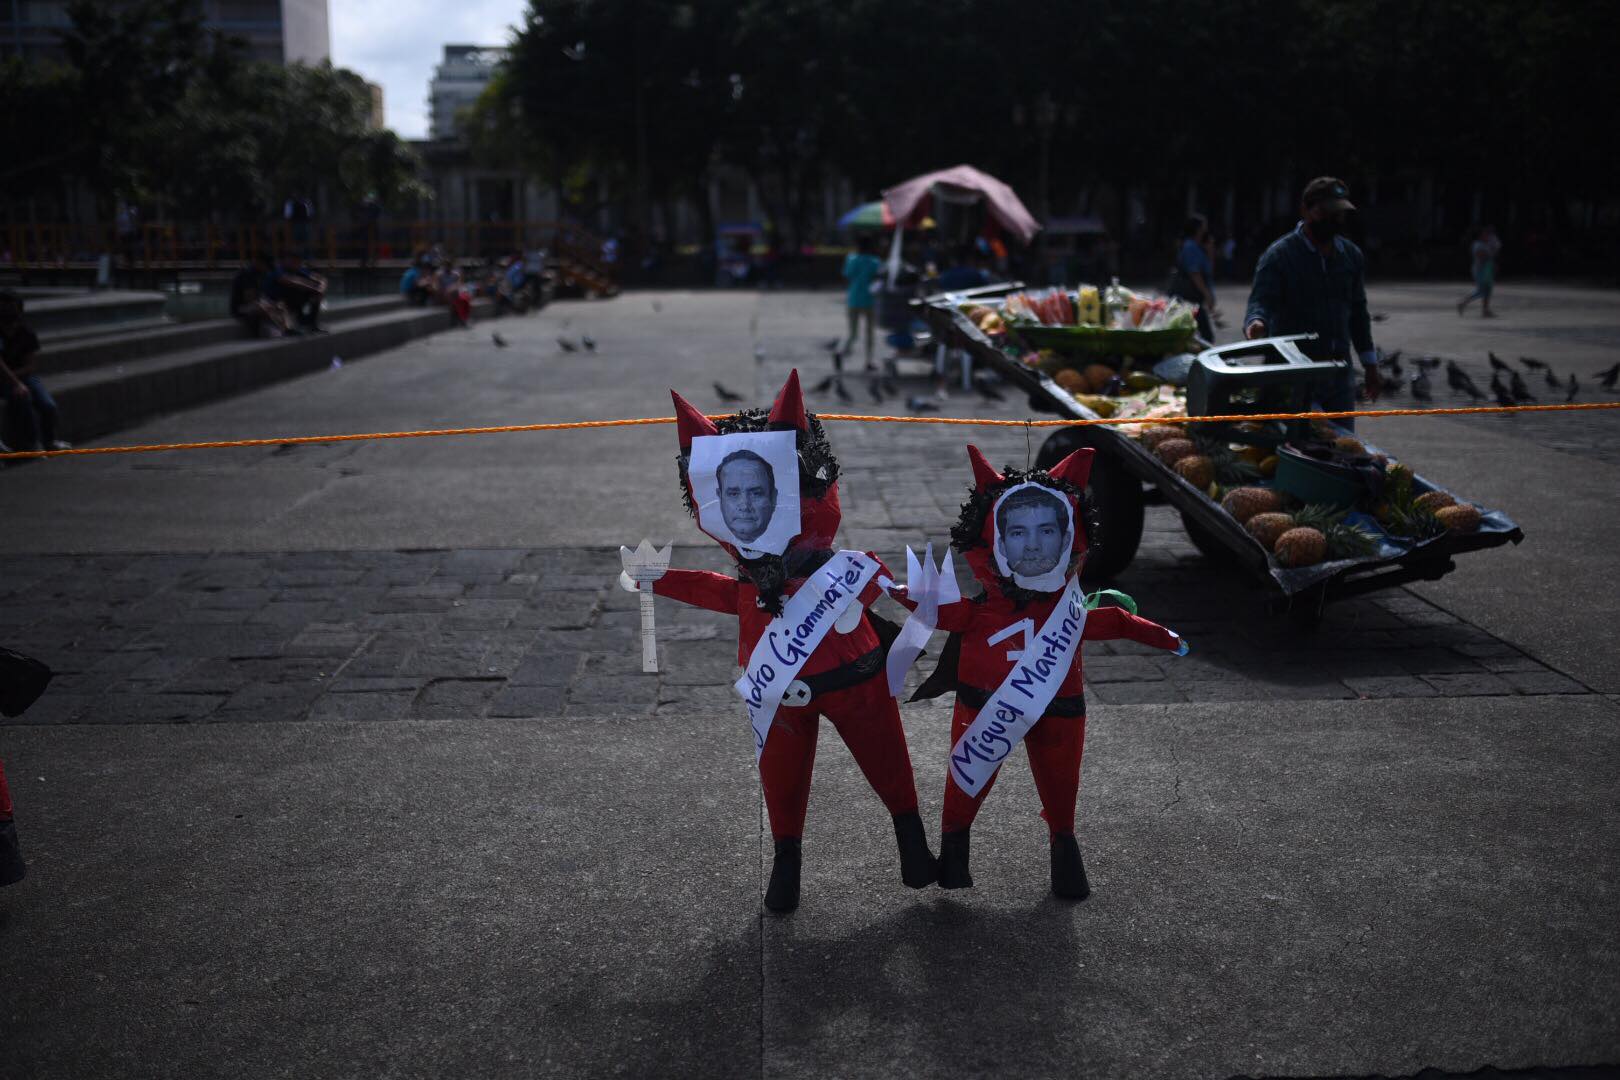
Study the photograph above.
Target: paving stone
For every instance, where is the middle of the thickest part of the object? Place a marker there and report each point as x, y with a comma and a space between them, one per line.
1469, 684
454, 699
1106, 669
608, 689
344, 683
142, 708
548, 668
528, 701
1437, 661
294, 616
384, 705
1390, 686
1543, 682
1138, 693
1519, 662
715, 699
481, 614
417, 621
57, 706
265, 702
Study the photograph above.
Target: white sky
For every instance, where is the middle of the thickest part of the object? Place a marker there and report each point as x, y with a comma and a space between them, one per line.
397, 43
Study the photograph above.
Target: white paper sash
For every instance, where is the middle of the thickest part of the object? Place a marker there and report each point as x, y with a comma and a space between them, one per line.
931, 588
793, 635
1023, 696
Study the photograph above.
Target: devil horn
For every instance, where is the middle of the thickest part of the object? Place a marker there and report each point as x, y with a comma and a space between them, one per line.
689, 422
1076, 468
788, 411
984, 475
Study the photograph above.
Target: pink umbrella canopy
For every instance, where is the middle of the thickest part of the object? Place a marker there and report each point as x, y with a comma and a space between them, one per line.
905, 201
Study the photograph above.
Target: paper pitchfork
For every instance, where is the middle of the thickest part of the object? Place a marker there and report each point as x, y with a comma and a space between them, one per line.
642, 567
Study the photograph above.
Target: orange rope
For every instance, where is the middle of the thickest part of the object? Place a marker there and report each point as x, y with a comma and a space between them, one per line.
298, 440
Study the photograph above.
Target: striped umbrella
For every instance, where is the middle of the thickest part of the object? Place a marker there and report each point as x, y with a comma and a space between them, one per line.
872, 215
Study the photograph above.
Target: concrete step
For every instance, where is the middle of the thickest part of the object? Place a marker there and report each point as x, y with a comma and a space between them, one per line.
52, 313
83, 352
101, 400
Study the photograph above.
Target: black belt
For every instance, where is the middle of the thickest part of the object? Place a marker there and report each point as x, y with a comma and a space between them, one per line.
974, 698
856, 671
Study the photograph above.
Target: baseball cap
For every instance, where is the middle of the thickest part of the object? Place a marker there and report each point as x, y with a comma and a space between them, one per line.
1329, 190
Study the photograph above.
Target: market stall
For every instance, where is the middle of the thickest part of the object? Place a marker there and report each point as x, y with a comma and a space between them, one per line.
1306, 508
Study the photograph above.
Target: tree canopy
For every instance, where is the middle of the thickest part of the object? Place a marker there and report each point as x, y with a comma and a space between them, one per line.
646, 96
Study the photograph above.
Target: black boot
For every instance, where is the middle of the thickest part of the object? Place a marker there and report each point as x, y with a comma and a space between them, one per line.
918, 867
12, 867
953, 861
1068, 871
782, 894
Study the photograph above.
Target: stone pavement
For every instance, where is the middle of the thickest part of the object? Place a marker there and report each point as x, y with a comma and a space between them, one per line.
350, 771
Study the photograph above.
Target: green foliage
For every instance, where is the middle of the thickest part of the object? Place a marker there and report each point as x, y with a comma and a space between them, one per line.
153, 109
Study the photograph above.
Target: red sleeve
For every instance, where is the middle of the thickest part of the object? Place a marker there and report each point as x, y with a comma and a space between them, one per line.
700, 588
873, 590
1108, 623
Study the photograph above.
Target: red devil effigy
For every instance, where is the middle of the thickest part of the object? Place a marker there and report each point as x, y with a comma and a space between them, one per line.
765, 487
1014, 656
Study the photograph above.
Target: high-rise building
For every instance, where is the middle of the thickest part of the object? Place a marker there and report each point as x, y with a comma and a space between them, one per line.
279, 31
458, 80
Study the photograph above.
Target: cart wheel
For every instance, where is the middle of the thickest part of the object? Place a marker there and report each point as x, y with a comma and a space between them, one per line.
1208, 545
1118, 498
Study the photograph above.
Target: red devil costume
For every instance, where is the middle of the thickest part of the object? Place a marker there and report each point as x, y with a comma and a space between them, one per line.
843, 677
996, 632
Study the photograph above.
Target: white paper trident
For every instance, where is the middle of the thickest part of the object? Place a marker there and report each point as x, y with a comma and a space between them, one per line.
644, 566
931, 588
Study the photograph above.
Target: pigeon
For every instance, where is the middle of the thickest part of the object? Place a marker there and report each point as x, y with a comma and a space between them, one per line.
1552, 380
843, 395
1427, 363
726, 395
824, 385
1502, 396
500, 342
1521, 392
1458, 380
922, 404
1420, 387
589, 343
872, 388
759, 354
1379, 316
1496, 362
657, 307
567, 346
1574, 388
889, 387
1393, 363
1608, 376
832, 346
1532, 363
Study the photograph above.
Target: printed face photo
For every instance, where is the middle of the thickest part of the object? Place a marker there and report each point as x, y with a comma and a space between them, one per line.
1034, 534
746, 486
747, 489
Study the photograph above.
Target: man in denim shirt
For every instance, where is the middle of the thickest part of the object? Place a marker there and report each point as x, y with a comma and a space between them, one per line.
1312, 281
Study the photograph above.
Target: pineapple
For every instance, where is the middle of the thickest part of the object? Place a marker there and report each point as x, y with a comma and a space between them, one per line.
1301, 546
1245, 502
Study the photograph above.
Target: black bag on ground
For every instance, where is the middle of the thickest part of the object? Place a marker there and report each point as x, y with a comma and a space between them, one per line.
22, 680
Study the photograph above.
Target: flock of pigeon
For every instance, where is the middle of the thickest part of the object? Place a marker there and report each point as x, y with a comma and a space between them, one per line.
1508, 386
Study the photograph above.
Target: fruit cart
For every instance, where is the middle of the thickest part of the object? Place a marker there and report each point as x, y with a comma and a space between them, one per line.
1404, 543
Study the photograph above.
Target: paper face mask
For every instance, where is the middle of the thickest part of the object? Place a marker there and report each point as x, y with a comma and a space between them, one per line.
1034, 532
746, 486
